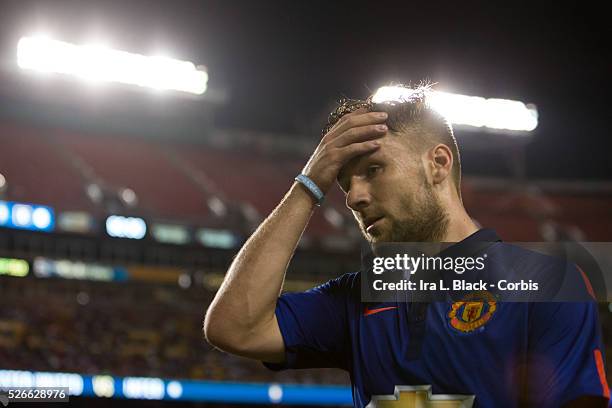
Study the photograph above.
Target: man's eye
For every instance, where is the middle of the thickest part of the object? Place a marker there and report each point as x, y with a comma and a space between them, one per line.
372, 170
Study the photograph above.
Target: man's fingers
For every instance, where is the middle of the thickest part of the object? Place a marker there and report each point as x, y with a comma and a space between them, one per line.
355, 119
357, 149
356, 112
360, 119
360, 134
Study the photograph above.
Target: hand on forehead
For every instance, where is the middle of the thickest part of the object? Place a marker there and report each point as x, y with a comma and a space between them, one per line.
347, 107
391, 151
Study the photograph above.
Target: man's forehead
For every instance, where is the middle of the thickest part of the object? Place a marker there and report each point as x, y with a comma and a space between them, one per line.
391, 147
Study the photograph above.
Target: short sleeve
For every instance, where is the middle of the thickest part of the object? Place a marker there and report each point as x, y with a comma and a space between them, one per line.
565, 359
314, 326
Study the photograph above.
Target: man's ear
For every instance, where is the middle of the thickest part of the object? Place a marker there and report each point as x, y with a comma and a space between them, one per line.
441, 159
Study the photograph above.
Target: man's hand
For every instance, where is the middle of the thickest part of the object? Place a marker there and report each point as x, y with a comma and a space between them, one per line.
241, 319
355, 134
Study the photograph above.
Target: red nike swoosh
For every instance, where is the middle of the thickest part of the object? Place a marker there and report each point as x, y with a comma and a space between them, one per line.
368, 311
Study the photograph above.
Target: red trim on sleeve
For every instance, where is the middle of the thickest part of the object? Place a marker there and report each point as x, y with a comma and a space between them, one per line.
587, 283
601, 372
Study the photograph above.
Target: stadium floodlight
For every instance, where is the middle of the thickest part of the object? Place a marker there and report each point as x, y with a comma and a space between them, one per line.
471, 111
98, 63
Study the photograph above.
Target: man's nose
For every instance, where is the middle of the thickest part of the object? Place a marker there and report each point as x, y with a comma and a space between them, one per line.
358, 196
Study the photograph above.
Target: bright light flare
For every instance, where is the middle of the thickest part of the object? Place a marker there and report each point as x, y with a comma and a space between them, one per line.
466, 110
99, 63
126, 227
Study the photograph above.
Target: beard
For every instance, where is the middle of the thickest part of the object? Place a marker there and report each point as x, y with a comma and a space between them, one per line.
426, 220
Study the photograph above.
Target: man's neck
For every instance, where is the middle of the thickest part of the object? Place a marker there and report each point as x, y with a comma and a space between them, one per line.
460, 226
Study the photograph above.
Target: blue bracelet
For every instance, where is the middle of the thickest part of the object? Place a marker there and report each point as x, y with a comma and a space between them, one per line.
312, 187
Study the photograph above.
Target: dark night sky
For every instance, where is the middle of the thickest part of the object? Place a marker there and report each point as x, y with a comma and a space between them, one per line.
284, 63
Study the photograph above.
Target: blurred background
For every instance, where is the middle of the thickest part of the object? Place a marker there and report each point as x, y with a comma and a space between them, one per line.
142, 142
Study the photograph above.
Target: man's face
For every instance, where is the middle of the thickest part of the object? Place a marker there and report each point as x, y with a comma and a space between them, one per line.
390, 197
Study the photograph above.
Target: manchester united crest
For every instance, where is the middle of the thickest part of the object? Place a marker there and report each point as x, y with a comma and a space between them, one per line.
473, 312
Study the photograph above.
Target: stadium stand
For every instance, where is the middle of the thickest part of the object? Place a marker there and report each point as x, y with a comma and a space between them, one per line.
161, 189
35, 172
131, 329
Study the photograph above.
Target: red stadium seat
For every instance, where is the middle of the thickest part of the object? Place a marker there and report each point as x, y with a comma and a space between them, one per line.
36, 172
162, 190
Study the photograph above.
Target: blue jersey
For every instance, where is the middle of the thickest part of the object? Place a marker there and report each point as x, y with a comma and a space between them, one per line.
505, 354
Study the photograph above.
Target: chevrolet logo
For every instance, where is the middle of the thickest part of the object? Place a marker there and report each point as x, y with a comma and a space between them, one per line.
420, 396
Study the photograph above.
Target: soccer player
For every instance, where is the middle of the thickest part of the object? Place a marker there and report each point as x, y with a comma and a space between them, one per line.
399, 167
